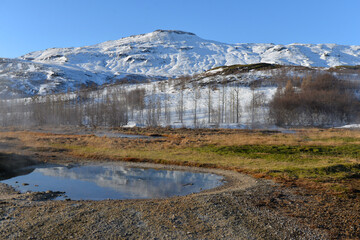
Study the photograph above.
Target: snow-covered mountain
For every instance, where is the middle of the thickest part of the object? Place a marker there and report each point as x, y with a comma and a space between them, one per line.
174, 53
155, 55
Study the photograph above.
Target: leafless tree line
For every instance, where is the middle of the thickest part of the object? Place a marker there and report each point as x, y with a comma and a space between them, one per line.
313, 100
189, 103
223, 103
90, 108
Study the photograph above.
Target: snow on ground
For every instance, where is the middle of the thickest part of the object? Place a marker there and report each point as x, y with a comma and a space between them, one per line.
153, 56
167, 94
350, 126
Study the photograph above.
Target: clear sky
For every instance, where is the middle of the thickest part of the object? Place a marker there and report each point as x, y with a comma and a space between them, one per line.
30, 25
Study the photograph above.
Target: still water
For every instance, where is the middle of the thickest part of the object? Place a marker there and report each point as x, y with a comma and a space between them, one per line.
121, 135
113, 181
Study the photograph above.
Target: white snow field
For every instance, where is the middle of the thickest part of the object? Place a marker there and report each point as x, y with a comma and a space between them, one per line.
175, 53
153, 56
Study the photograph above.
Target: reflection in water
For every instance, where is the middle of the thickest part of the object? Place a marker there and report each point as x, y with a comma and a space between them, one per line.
99, 182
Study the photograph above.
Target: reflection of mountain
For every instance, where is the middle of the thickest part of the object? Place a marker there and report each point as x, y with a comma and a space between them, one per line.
137, 182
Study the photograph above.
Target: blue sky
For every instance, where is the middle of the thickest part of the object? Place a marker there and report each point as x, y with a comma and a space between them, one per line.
30, 25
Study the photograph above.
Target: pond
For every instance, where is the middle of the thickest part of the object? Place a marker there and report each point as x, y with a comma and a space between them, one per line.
121, 135
112, 181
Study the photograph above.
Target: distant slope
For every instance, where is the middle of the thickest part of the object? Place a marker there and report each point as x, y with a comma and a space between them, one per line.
152, 56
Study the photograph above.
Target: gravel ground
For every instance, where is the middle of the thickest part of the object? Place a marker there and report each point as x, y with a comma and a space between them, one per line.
238, 210
244, 208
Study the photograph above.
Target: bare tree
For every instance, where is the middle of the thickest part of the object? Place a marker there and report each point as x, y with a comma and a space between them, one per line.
237, 104
180, 106
257, 102
195, 97
209, 103
167, 110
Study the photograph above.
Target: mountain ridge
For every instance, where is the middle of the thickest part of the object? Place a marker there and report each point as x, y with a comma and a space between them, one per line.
153, 56
173, 52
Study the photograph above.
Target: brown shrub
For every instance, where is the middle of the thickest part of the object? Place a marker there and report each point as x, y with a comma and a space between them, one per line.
321, 101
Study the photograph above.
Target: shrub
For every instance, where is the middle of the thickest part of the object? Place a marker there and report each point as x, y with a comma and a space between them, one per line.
321, 101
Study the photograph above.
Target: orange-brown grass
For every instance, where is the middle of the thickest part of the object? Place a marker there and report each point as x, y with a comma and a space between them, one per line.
204, 148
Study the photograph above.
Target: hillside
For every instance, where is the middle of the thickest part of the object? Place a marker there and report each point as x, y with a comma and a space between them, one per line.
157, 55
175, 53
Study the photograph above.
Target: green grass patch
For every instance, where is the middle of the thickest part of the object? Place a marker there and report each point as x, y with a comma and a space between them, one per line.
284, 151
338, 139
315, 162
336, 171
